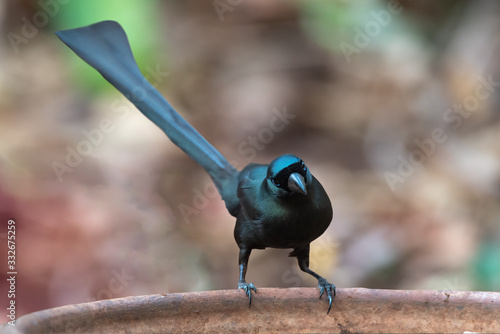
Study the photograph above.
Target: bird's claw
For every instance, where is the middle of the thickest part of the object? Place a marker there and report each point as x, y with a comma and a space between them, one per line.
247, 287
324, 285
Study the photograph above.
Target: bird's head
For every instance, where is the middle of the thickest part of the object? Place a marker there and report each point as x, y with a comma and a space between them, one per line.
287, 175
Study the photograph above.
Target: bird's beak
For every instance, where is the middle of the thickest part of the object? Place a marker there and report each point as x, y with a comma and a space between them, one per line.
296, 183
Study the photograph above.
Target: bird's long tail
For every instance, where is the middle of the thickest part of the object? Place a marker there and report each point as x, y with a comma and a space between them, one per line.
105, 47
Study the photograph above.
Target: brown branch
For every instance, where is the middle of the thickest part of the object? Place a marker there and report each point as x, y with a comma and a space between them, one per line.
275, 310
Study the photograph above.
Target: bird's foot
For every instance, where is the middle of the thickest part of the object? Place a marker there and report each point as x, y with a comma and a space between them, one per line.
324, 285
247, 287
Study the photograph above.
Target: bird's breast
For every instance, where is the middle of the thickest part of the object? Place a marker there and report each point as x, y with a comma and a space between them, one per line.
293, 221
292, 226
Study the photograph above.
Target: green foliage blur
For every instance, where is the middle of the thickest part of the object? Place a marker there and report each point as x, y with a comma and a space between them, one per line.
143, 31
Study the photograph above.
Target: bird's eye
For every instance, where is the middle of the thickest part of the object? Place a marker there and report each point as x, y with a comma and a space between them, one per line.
303, 165
275, 182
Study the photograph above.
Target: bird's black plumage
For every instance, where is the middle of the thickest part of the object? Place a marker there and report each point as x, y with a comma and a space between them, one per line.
280, 205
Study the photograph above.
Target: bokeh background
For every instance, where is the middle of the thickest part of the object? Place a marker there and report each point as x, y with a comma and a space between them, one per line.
393, 105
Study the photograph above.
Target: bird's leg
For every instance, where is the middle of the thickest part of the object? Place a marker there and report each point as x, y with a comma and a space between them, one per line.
302, 255
242, 284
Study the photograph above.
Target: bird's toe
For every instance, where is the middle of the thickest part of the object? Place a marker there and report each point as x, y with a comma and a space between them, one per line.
247, 287
325, 286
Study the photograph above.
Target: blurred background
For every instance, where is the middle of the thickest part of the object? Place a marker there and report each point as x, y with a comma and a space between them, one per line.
393, 105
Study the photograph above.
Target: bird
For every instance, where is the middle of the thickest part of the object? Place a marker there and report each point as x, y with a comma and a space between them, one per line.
276, 205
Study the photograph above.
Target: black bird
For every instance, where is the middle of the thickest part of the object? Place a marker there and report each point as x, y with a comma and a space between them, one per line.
280, 205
